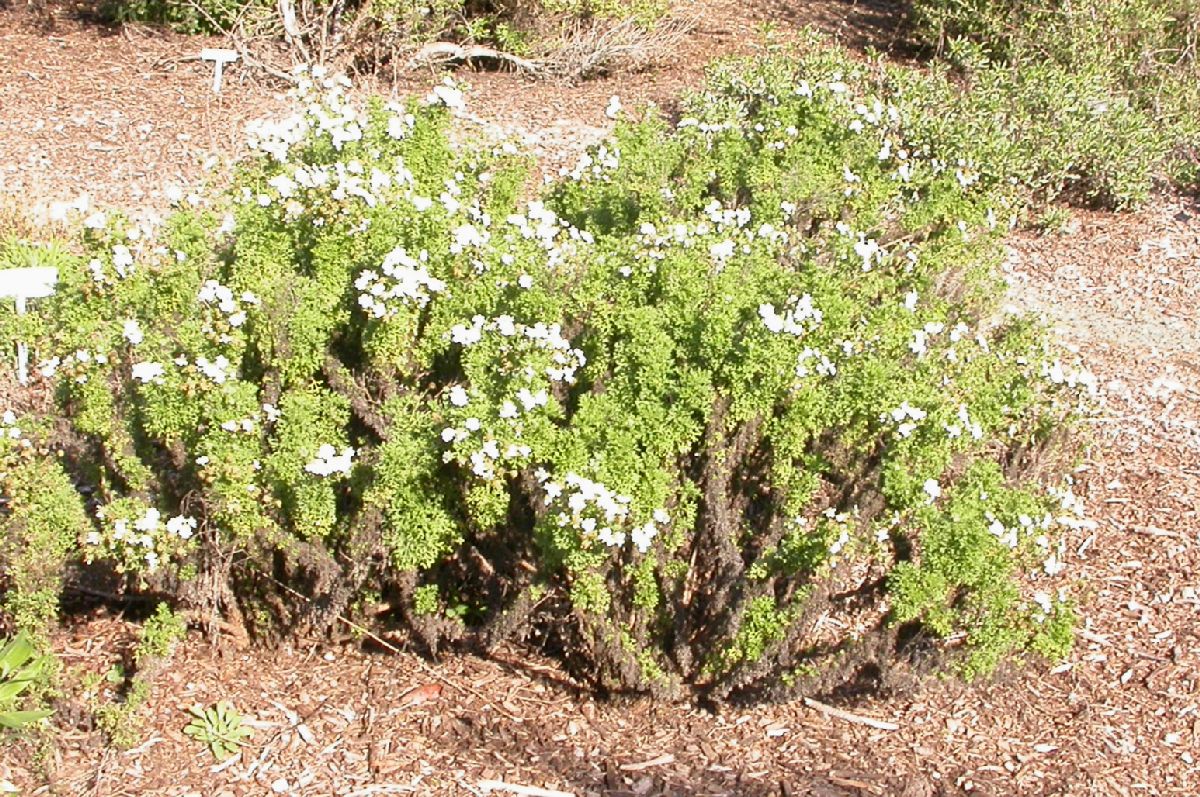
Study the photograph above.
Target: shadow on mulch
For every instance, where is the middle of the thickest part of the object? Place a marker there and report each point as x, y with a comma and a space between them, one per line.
863, 25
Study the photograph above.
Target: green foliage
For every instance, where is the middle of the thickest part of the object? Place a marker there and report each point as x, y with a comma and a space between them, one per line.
644, 11
41, 518
117, 707
159, 635
185, 16
1098, 98
219, 728
722, 375
20, 668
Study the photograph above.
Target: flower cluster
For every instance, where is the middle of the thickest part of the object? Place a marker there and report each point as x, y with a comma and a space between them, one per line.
920, 342
565, 360
906, 416
596, 512
799, 318
146, 372
810, 360
447, 94
214, 294
77, 364
405, 279
1077, 377
558, 237
135, 536
328, 461
330, 114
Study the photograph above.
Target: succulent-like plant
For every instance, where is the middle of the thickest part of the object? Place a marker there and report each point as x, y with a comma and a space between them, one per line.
20, 666
220, 727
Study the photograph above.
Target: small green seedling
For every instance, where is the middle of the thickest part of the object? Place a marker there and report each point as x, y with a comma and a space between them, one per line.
220, 727
19, 667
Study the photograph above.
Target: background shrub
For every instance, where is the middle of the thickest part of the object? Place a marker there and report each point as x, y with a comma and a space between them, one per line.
726, 409
1101, 96
572, 37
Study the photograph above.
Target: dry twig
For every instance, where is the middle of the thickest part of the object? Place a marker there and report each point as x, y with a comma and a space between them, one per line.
446, 52
526, 791
857, 719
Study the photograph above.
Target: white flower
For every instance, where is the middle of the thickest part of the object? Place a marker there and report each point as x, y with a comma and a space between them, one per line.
722, 251
614, 107
932, 489
285, 185
531, 400
132, 331
906, 410
216, 370
146, 372
447, 94
329, 461
613, 539
918, 346
149, 521
642, 536
459, 397
122, 259
181, 526
868, 249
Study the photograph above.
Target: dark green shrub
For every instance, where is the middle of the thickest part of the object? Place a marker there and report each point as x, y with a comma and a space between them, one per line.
728, 409
370, 34
193, 17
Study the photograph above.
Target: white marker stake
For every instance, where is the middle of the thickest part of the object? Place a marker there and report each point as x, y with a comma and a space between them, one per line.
219, 57
22, 284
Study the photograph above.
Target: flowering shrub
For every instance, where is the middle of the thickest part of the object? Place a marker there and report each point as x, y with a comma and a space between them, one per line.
727, 408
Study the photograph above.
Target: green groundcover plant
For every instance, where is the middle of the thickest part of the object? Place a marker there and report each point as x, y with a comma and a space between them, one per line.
727, 409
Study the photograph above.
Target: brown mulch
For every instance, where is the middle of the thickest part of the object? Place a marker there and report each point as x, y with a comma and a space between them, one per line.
121, 113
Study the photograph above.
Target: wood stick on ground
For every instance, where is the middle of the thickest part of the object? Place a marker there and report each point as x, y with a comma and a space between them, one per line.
525, 791
857, 719
441, 52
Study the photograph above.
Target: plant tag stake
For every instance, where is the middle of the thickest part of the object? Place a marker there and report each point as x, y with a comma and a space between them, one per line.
219, 57
22, 284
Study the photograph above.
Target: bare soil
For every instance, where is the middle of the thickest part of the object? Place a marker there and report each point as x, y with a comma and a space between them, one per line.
121, 113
